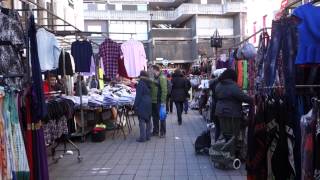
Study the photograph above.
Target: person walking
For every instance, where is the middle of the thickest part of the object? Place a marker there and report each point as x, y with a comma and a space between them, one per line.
178, 94
229, 98
159, 96
186, 101
142, 106
169, 103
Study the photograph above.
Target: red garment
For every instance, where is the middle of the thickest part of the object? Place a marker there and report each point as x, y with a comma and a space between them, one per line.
240, 73
28, 142
122, 69
46, 87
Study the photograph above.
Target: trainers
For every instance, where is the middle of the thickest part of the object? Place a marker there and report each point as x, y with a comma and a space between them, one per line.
180, 123
162, 135
155, 134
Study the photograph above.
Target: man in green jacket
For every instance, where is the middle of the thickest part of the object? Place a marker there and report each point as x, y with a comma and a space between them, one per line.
158, 95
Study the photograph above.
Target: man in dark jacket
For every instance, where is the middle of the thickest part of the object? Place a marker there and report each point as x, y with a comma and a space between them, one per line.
178, 94
142, 106
229, 99
159, 95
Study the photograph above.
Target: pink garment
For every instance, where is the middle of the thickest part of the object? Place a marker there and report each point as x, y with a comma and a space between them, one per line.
134, 57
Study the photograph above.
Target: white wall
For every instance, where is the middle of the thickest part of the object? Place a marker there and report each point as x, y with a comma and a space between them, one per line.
256, 10
73, 15
206, 25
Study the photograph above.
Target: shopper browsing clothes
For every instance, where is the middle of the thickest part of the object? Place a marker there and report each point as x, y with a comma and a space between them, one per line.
180, 88
159, 96
142, 106
229, 99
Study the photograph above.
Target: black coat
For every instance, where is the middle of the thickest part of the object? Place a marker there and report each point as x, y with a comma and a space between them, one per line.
229, 99
180, 88
143, 102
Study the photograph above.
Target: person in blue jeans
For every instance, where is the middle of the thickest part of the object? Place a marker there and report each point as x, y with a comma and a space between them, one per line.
142, 106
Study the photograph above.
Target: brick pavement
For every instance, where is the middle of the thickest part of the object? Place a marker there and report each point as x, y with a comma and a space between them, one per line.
172, 158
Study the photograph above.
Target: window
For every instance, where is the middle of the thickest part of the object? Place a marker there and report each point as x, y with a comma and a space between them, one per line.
118, 7
120, 30
101, 7
85, 6
94, 28
204, 2
142, 7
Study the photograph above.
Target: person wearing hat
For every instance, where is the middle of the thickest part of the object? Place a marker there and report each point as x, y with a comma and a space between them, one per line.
142, 106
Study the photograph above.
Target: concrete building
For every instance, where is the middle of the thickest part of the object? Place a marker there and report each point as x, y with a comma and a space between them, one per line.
176, 30
65, 9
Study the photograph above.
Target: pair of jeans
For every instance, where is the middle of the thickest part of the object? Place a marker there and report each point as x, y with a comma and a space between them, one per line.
186, 106
179, 106
156, 119
283, 41
260, 59
169, 104
145, 128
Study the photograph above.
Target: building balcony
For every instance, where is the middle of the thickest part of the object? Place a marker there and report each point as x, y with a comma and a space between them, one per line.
183, 11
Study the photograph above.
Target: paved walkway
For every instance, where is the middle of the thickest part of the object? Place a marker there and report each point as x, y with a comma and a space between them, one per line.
172, 158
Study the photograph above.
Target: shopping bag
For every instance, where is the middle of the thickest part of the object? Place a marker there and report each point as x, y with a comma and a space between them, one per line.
163, 113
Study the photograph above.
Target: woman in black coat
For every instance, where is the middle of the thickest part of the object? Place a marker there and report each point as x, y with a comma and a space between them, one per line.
179, 92
229, 99
142, 106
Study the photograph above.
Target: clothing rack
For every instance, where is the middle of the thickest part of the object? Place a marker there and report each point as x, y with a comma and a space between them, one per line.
65, 139
75, 32
296, 86
248, 38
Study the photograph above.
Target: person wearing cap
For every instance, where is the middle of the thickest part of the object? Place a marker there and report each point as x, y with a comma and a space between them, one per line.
159, 90
142, 106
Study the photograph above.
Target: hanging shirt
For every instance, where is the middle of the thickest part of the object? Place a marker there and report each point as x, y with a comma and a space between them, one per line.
92, 68
48, 50
82, 53
309, 34
134, 57
110, 52
122, 69
65, 65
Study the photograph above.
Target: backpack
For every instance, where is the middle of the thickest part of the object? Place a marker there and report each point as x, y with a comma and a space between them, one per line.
203, 143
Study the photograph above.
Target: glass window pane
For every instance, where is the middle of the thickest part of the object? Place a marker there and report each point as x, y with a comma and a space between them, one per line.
101, 7
118, 7
142, 7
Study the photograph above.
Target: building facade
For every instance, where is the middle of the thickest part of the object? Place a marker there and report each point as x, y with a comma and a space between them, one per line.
174, 30
67, 10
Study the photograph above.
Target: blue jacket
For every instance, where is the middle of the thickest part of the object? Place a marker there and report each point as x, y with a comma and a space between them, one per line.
143, 102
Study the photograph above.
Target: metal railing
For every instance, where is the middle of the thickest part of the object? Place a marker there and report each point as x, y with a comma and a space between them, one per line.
182, 10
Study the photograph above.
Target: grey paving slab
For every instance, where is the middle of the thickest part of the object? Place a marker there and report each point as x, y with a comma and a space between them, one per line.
170, 158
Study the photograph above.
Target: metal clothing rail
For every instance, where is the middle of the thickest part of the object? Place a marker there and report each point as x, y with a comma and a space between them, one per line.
76, 32
296, 86
247, 39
